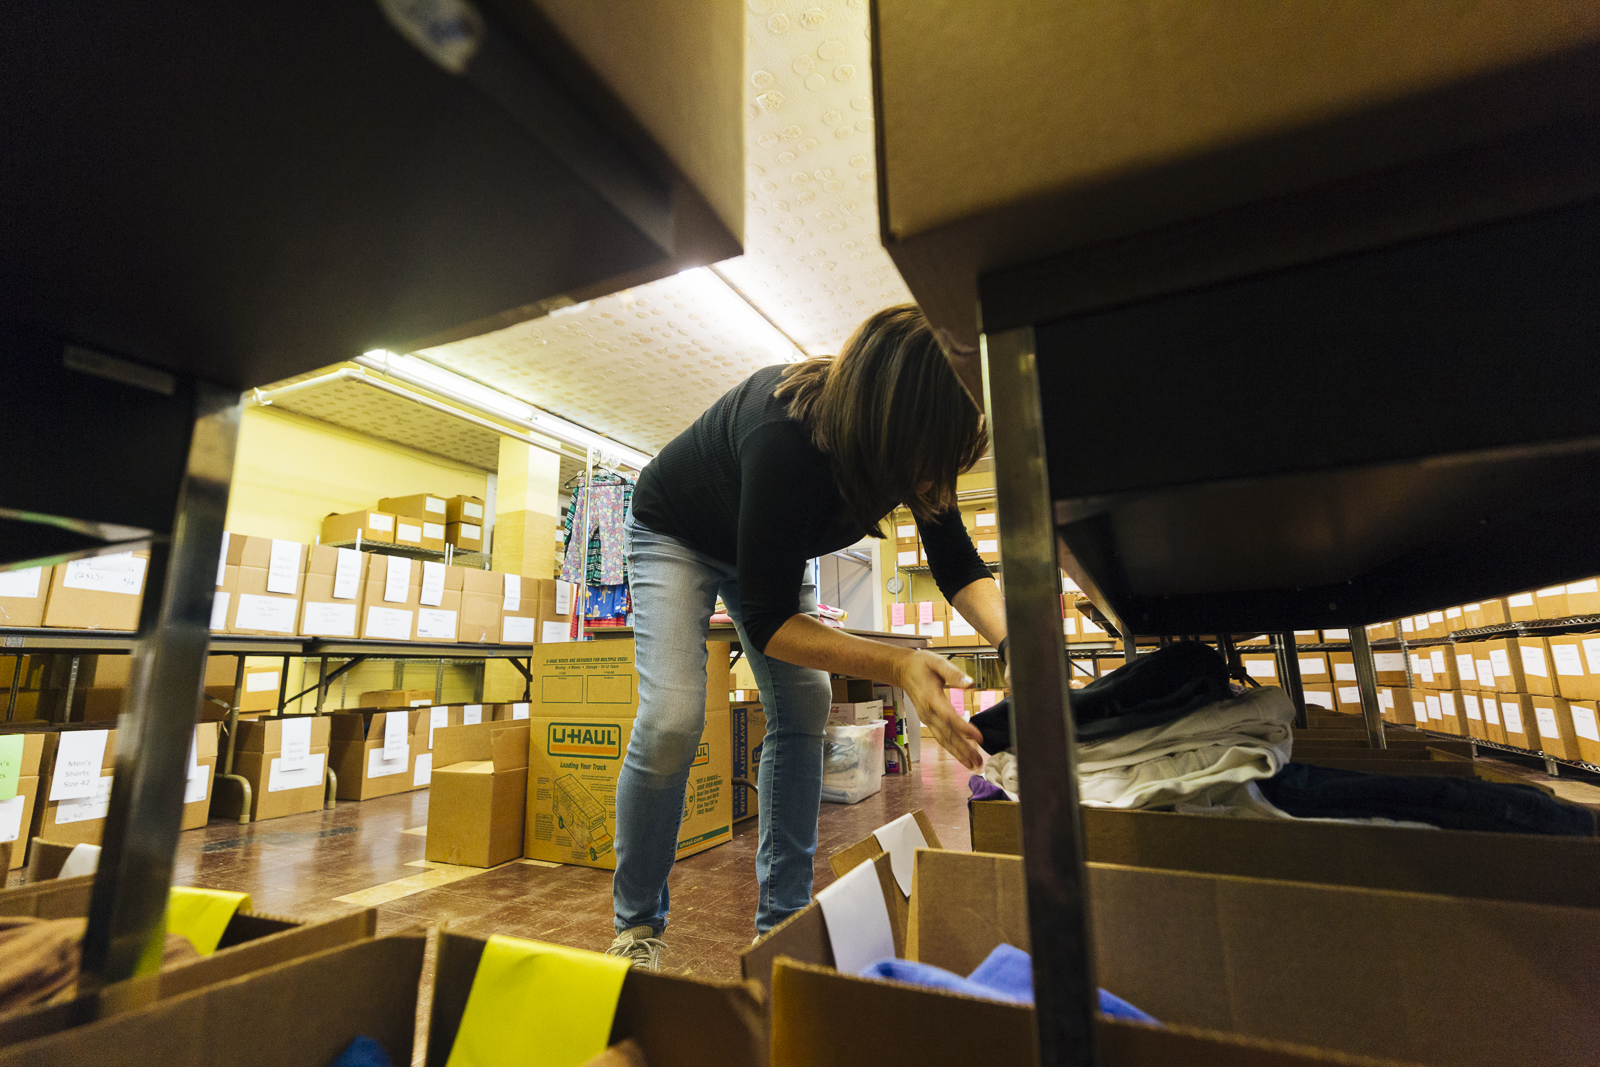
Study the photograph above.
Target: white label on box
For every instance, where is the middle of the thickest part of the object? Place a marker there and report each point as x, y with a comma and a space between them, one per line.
931, 629
1386, 699
471, 510
424, 772
1433, 706
433, 531
419, 703
274, 614
380, 522
329, 620
1319, 698
1435, 617
513, 593
1554, 590
1336, 635
198, 786
1513, 716
1313, 665
1485, 673
1591, 652
553, 632
396, 733
347, 574
260, 680
1501, 662
219, 610
1447, 703
1260, 668
1583, 722
907, 558
1546, 717
472, 715
437, 717
470, 532
985, 518
432, 584
222, 559
1491, 713
1520, 600
283, 570
24, 584
1437, 660
11, 817
1465, 667
1388, 661
1425, 668
120, 573
563, 597
960, 627
1090, 627
901, 839
1349, 694
296, 747
1533, 661
904, 628
519, 711
79, 756
380, 764
89, 808
518, 629
433, 504
407, 533
990, 544
1344, 672
1419, 711
1568, 661
906, 529
397, 580
390, 624
857, 919
1470, 703
280, 778
436, 624
1452, 613
1406, 626
1069, 624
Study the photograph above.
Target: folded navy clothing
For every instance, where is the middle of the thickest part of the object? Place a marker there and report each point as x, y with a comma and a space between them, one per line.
1005, 975
1309, 792
363, 1052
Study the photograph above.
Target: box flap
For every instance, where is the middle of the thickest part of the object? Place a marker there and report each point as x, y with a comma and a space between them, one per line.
482, 741
964, 905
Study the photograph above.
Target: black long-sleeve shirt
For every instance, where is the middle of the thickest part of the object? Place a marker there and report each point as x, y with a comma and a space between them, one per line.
744, 484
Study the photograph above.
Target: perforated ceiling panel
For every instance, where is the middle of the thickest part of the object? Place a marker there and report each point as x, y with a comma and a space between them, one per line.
641, 365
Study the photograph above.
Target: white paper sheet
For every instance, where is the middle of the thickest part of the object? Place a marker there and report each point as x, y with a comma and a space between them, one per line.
407, 533
397, 580
988, 544
219, 610
423, 774
1501, 662
1386, 699
390, 624
555, 632
1485, 673
280, 779
433, 531
1313, 665
396, 733
1319, 698
11, 817
1591, 652
381, 765
259, 681
198, 786
436, 624
901, 839
1466, 668
1388, 661
1469, 703
381, 523
906, 558
1491, 712
471, 531
82, 860
563, 597
1261, 668
437, 717
274, 614
295, 751
1434, 711
517, 629
1520, 600
323, 619
89, 808
347, 574
472, 714
858, 920
222, 558
1583, 722
25, 583
79, 757
470, 510
1569, 661
433, 504
1344, 672
1513, 714
519, 711
1349, 694
513, 593
985, 518
283, 571
120, 573
1336, 635
1546, 718
1533, 661
432, 584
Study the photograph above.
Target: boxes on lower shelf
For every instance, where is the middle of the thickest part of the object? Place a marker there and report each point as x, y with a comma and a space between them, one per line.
99, 593
75, 788
371, 752
21, 762
285, 761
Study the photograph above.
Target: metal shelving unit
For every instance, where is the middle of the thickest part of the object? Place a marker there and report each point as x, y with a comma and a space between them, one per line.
450, 556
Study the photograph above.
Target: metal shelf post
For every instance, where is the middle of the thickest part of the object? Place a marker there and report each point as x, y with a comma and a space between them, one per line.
1367, 680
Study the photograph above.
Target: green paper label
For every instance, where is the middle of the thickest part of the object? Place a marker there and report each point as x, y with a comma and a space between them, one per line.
10, 764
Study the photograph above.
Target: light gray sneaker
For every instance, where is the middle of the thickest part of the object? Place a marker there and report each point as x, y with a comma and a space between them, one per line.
640, 946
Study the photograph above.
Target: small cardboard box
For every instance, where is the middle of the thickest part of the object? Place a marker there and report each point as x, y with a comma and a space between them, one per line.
1521, 607
396, 698
1314, 668
1551, 603
1263, 668
1557, 733
390, 598
98, 593
1446, 672
1586, 728
748, 723
1496, 612
1571, 676
283, 780
423, 507
1454, 619
1390, 667
261, 688
1451, 719
22, 597
331, 601
479, 794
1472, 716
1534, 652
433, 535
407, 531
371, 752
851, 690
557, 601
370, 526
1505, 660
202, 772
585, 697
467, 536
1466, 667
482, 599
271, 579
1493, 726
1320, 694
439, 603
75, 820
1583, 598
519, 609
464, 509
854, 714
1516, 716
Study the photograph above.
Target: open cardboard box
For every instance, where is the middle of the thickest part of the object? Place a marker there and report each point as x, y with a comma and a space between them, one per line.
479, 793
677, 1021
276, 1014
1322, 967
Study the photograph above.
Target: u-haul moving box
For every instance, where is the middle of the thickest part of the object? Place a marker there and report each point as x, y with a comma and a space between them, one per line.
585, 697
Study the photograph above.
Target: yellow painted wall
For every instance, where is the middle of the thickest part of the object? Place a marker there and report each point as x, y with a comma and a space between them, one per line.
292, 471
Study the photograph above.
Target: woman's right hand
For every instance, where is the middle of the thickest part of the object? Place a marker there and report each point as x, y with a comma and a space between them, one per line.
925, 677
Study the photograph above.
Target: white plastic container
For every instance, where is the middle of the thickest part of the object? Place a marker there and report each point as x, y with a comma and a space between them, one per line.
852, 762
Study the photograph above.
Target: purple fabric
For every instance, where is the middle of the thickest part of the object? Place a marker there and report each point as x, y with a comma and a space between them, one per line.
983, 789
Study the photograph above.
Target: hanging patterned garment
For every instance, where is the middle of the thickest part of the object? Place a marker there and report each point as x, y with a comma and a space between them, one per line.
599, 558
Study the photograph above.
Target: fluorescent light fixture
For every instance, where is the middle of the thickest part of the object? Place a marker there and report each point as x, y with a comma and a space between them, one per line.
721, 299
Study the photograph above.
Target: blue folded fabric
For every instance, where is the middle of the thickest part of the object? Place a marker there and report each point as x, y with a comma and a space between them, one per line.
363, 1052
1006, 975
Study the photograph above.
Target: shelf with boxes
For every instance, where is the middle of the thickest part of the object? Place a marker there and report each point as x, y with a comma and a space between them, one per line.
421, 522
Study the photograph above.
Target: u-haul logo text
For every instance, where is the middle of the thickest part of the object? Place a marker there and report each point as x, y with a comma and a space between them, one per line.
702, 755
597, 740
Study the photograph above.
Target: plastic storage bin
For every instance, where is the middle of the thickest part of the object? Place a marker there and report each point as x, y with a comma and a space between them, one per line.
852, 762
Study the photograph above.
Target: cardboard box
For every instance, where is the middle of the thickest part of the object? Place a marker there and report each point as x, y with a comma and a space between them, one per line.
1343, 666
1466, 667
1493, 727
1320, 694
369, 526
270, 580
1382, 631
372, 753
21, 755
1583, 598
439, 603
933, 617
1451, 718
396, 698
851, 690
81, 819
1454, 619
1557, 733
1390, 667
1496, 612
1472, 713
1516, 716
1422, 670
748, 725
331, 599
407, 531
479, 794
1521, 607
1446, 672
202, 772
98, 593
1314, 668
1335, 635
467, 536
1551, 603
22, 597
482, 598
283, 781
464, 509
1505, 660
1570, 675
1586, 728
261, 688
391, 598
585, 697
1534, 652
423, 507
1263, 668
854, 714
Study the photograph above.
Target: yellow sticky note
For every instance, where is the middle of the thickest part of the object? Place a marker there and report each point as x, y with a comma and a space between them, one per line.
538, 1005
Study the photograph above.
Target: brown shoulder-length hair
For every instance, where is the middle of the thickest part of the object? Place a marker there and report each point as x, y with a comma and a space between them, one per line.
891, 415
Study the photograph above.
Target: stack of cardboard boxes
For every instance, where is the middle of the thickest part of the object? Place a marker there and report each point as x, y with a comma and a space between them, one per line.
421, 520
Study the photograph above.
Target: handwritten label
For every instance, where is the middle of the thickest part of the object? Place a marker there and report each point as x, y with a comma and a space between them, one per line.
471, 532
554, 632
1433, 706
380, 764
272, 614
11, 818
283, 571
1470, 703
518, 629
1447, 703
389, 624
1344, 672
382, 523
396, 733
1388, 661
397, 580
24, 584
433, 504
563, 597
1349, 694
280, 778
219, 610
407, 533
1569, 662
1546, 718
121, 573
295, 747
1491, 713
87, 808
471, 510
323, 619
907, 558
513, 593
1437, 660
1313, 665
519, 711
80, 754
1513, 716
905, 529
1485, 673
260, 680
472, 714
433, 531
1584, 724
347, 574
432, 584
423, 774
436, 624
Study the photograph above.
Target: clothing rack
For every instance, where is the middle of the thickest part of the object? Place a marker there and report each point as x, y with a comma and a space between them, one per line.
594, 473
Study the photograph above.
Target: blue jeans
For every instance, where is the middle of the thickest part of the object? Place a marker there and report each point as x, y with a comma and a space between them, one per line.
674, 593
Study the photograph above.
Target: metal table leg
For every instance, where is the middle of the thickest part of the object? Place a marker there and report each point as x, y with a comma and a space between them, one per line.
16, 683
322, 683
283, 686
128, 907
438, 683
65, 714
246, 792
1289, 671
1052, 832
1367, 679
